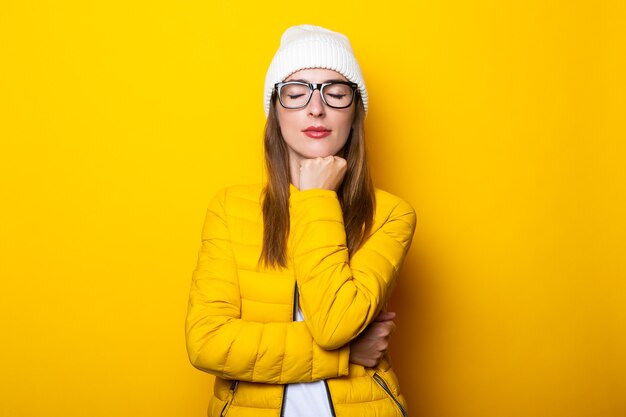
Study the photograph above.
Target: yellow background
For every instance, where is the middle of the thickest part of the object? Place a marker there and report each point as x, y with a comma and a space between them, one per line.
501, 122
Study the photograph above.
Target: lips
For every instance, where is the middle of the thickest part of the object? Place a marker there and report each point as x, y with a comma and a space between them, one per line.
316, 132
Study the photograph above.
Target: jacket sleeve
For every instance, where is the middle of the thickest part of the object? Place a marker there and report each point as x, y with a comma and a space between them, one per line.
221, 343
341, 296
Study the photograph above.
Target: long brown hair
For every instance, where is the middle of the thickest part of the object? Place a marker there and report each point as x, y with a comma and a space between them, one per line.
356, 193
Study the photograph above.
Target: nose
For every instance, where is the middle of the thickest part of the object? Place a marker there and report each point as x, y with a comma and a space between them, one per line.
316, 105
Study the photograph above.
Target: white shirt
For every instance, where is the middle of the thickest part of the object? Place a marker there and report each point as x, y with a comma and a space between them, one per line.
306, 399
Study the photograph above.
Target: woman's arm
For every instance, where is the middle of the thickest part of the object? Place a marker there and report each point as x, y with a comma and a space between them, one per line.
221, 343
340, 296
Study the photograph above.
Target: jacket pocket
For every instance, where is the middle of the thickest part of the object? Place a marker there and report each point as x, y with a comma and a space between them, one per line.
381, 382
229, 400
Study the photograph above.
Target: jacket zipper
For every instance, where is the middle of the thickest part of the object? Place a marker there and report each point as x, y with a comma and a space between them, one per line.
330, 399
233, 388
282, 405
384, 386
293, 318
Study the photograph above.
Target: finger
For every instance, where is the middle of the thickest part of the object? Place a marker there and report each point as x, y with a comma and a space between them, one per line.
392, 328
384, 329
385, 316
382, 316
341, 162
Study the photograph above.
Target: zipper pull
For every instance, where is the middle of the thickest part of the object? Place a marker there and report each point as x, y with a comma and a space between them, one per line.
233, 385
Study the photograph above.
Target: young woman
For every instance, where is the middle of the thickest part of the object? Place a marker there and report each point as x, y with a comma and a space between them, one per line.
286, 303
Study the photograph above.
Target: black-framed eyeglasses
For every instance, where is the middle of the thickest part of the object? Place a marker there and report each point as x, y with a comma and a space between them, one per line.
297, 94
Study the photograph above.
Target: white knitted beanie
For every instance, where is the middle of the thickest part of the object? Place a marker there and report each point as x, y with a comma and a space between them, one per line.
308, 46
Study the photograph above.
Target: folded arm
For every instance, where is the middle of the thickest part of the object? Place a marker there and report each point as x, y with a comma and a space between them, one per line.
340, 296
221, 343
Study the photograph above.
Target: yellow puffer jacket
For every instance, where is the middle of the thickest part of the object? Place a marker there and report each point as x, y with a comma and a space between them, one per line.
240, 322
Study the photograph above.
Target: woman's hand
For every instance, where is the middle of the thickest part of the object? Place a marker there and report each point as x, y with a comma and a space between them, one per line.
370, 346
326, 173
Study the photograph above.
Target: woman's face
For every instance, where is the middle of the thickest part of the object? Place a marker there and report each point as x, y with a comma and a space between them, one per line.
297, 125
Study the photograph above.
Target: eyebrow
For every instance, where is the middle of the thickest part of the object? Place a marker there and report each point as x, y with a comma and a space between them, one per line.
327, 81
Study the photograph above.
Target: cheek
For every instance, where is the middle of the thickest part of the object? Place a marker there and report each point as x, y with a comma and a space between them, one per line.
285, 121
346, 125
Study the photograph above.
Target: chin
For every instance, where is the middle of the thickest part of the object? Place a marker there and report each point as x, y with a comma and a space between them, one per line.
321, 151
320, 154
